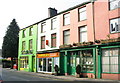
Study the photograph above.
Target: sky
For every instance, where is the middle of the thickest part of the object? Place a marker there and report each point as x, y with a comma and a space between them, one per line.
27, 12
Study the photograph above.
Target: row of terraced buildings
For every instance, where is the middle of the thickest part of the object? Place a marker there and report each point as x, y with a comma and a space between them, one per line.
87, 34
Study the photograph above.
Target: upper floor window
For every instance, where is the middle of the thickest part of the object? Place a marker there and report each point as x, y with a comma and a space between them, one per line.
82, 14
53, 40
66, 18
115, 25
66, 37
30, 44
24, 33
83, 34
23, 45
43, 42
53, 24
114, 4
31, 31
43, 27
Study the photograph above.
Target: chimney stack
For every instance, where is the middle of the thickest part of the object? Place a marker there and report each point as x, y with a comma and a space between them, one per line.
52, 12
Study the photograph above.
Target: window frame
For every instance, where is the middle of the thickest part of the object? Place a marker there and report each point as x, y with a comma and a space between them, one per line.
109, 65
112, 1
42, 47
53, 23
24, 34
24, 62
52, 38
30, 44
118, 24
23, 45
30, 31
79, 13
82, 32
65, 36
66, 17
43, 27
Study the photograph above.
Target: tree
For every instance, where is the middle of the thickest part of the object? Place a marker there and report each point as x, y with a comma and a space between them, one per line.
10, 41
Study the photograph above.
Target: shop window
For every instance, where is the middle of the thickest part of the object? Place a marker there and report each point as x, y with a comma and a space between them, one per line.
43, 27
53, 40
23, 46
45, 64
83, 34
114, 4
53, 24
66, 37
30, 44
82, 14
56, 61
66, 19
87, 60
43, 42
115, 25
31, 31
110, 60
40, 64
24, 62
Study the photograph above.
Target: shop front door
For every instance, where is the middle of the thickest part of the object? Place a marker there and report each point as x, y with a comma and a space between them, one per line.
72, 64
33, 64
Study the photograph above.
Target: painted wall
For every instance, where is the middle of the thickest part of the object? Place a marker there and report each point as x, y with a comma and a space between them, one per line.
48, 33
75, 24
111, 76
26, 39
102, 16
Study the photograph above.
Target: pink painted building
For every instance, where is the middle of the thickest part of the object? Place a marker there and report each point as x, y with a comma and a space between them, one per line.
71, 24
88, 22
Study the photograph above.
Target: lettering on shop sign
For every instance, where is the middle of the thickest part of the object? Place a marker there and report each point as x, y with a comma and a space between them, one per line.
48, 55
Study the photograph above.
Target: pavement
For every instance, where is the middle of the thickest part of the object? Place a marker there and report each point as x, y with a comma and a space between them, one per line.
67, 78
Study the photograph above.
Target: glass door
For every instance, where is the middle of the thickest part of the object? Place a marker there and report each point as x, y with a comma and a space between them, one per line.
40, 61
73, 63
44, 64
49, 66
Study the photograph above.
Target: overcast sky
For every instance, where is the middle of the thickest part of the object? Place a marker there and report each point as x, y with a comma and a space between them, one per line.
27, 12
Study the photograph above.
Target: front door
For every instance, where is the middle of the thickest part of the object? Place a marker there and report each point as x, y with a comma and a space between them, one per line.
72, 65
33, 63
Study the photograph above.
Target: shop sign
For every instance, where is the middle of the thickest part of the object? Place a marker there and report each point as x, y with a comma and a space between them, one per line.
48, 55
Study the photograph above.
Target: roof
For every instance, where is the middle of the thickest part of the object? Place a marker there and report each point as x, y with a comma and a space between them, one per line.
79, 5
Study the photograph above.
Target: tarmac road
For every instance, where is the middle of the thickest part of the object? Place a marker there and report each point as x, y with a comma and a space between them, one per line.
14, 76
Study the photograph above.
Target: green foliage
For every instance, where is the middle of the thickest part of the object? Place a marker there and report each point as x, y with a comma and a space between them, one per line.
10, 41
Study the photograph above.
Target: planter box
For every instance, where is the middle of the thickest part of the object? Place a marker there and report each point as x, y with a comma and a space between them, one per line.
65, 46
110, 40
83, 44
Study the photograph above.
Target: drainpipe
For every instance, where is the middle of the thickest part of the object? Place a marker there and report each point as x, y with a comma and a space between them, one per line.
93, 18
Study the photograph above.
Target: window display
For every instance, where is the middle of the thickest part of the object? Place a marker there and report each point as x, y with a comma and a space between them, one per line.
87, 60
110, 62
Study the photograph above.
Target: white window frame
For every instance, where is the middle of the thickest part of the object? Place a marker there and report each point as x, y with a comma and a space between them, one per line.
53, 23
66, 18
114, 4
43, 27
82, 14
82, 30
66, 33
115, 25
